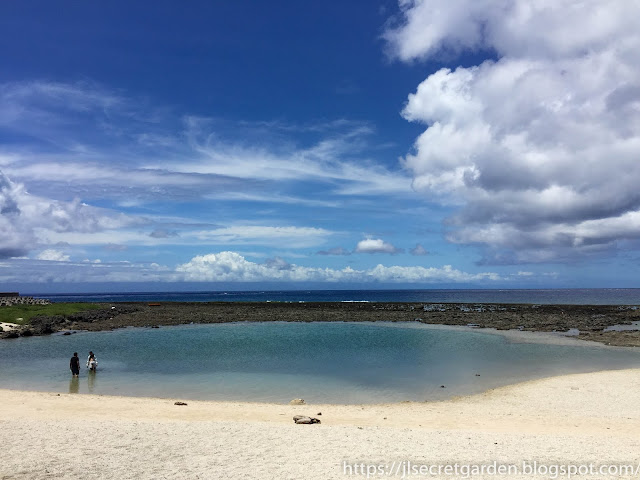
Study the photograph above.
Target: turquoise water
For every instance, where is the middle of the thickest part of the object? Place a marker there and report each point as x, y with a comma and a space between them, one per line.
275, 362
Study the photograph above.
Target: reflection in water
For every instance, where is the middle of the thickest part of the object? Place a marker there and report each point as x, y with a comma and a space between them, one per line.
74, 385
91, 380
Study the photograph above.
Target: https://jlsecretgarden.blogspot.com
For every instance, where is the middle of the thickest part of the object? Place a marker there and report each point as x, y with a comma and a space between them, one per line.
409, 469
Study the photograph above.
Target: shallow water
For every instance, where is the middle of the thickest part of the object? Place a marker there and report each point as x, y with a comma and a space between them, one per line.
275, 362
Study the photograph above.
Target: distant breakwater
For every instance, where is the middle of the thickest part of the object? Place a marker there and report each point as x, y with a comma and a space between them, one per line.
8, 301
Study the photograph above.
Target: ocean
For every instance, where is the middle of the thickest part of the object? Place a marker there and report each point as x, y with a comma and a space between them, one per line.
592, 296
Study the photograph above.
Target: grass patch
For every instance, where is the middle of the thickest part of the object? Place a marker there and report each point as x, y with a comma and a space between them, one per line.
26, 312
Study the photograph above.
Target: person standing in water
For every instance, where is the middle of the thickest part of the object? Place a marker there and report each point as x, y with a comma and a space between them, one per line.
92, 363
74, 365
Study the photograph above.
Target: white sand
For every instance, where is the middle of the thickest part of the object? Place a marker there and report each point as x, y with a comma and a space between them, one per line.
568, 420
7, 327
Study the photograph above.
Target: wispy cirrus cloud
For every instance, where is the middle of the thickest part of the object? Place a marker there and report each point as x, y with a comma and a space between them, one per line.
335, 251
81, 144
55, 271
262, 235
88, 136
338, 157
30, 222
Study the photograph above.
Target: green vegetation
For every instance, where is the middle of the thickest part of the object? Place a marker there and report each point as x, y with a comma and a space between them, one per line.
26, 312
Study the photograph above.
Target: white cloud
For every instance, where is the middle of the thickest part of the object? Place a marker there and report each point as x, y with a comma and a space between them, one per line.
376, 245
15, 235
232, 267
100, 140
35, 271
539, 149
51, 255
27, 221
327, 160
265, 235
545, 28
224, 267
289, 236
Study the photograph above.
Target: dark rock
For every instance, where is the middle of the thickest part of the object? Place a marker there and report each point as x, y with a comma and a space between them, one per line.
46, 329
590, 320
11, 334
304, 420
180, 403
26, 333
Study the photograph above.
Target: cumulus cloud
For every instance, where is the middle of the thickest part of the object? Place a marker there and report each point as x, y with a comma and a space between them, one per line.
376, 245
224, 267
537, 148
28, 221
53, 256
278, 263
232, 267
418, 251
15, 236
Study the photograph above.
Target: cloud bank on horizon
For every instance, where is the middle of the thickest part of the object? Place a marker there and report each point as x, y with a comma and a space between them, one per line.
528, 156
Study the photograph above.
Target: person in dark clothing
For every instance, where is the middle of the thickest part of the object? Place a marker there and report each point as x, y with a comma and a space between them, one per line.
74, 365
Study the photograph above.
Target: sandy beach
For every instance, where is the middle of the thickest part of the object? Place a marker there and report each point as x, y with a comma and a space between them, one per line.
562, 422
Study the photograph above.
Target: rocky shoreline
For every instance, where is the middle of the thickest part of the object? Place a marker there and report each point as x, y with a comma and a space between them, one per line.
590, 320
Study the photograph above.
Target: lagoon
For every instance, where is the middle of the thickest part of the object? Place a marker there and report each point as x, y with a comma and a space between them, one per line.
275, 362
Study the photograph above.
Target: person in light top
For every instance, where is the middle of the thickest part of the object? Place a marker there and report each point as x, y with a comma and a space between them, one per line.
92, 363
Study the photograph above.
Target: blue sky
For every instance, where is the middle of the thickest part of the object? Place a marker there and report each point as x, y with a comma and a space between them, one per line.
219, 145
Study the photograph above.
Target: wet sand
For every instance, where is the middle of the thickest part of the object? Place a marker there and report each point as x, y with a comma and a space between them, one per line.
568, 420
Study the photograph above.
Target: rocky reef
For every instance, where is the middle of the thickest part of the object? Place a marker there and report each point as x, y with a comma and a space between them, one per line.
589, 322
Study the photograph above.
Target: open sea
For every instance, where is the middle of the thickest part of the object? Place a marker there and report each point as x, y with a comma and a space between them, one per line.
585, 296
320, 362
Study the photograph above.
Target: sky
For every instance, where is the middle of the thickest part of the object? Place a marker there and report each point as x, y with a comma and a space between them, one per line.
364, 144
